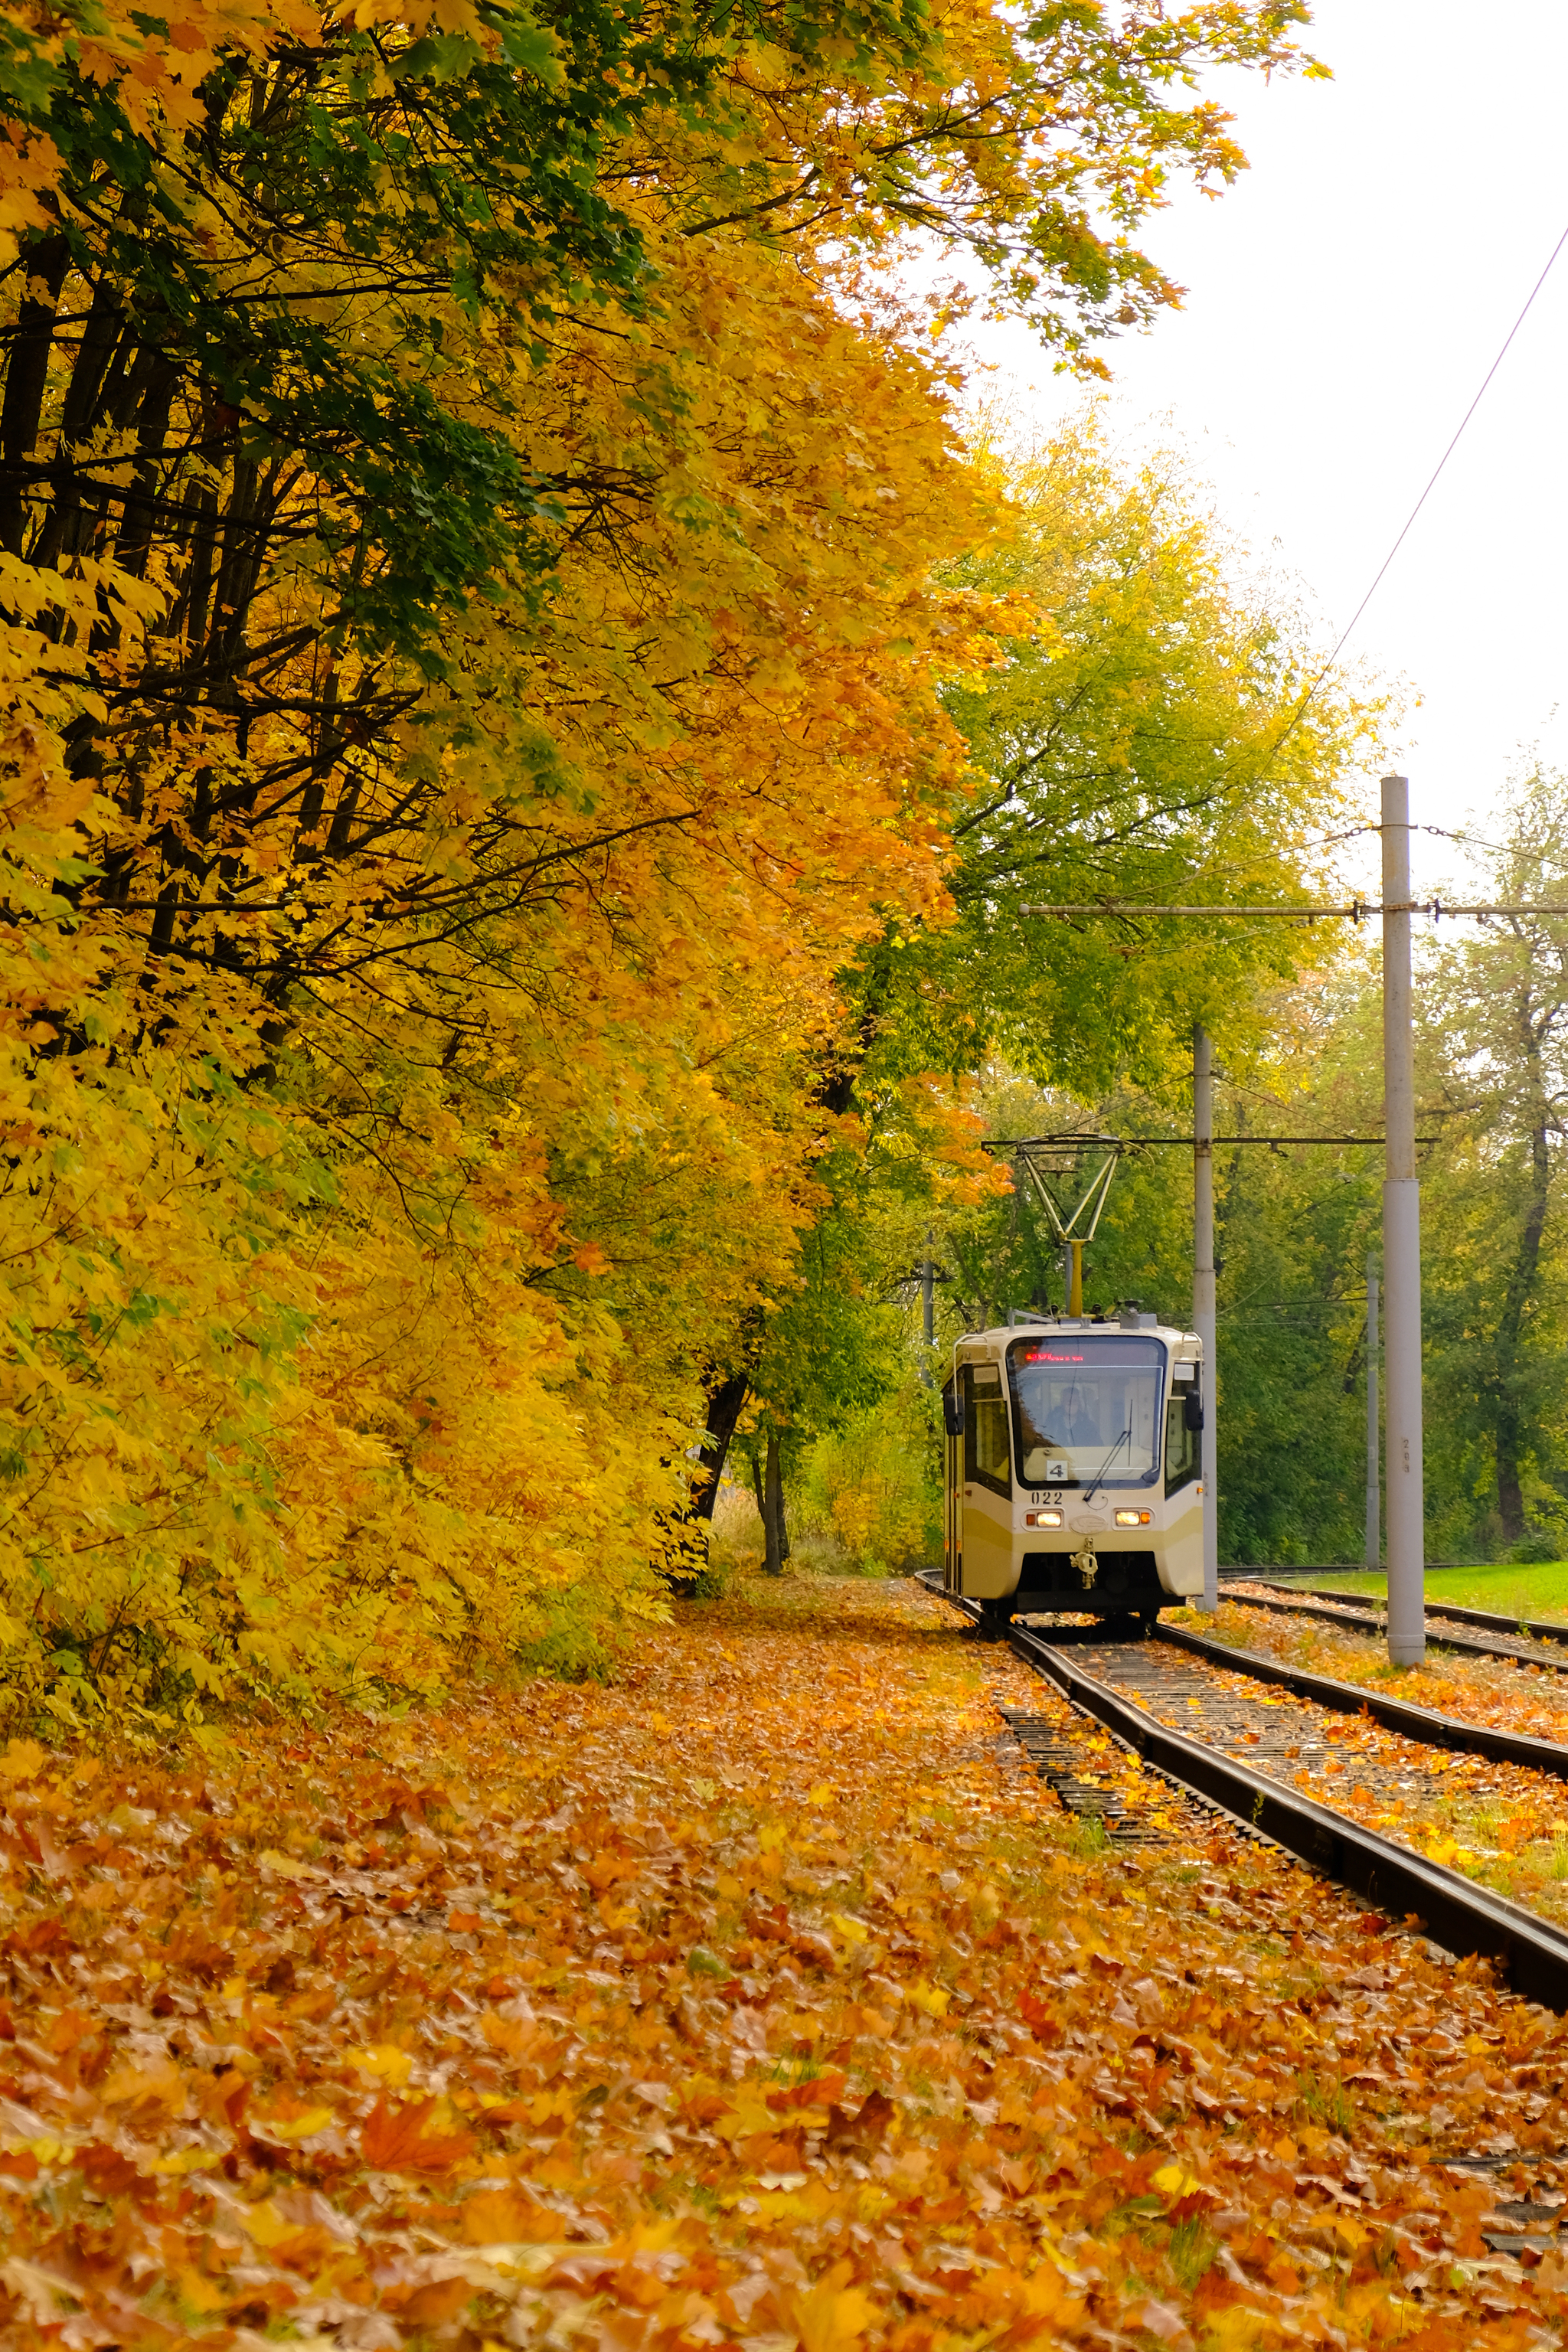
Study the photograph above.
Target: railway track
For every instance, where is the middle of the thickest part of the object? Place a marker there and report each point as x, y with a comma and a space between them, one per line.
1539, 1629
1240, 1755
1535, 1646
1422, 1723
1123, 1687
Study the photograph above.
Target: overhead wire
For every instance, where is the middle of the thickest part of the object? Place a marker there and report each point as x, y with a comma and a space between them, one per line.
1350, 627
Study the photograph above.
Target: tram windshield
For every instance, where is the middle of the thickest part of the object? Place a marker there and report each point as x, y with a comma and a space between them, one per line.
1087, 1410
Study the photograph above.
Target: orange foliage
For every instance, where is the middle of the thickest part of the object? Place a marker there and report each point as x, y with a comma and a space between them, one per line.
473, 660
762, 2000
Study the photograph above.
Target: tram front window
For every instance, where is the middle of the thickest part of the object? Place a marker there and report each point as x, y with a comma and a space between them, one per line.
1087, 1412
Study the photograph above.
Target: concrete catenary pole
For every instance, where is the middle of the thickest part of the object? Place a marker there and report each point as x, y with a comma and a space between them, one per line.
1374, 1482
1405, 1509
1204, 1297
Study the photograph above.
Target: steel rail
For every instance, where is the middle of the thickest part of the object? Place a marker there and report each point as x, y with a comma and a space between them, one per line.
1459, 1914
1423, 1723
1472, 1646
1454, 1912
1496, 1621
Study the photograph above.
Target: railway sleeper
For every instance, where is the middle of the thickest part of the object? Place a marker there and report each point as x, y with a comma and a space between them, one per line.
1350, 1619
1518, 2230
1061, 1764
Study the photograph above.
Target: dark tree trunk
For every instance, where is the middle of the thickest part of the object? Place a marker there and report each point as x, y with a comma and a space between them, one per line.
759, 1492
681, 1551
725, 1402
773, 1516
45, 261
1518, 1292
768, 1487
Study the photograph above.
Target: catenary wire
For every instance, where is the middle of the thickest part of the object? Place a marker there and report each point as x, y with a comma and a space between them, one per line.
1350, 627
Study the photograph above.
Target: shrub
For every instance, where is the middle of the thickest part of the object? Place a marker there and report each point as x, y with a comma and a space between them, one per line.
1535, 1547
869, 1485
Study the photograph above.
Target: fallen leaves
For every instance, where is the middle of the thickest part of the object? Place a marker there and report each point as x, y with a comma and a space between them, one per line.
910, 2067
1505, 1825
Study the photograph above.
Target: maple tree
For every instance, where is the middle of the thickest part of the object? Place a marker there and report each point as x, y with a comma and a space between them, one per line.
468, 517
1125, 745
489, 1174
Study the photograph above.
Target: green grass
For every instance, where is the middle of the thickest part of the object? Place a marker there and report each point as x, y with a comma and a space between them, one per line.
1509, 1589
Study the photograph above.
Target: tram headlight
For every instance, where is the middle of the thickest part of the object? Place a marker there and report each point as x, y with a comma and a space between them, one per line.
1134, 1519
1042, 1519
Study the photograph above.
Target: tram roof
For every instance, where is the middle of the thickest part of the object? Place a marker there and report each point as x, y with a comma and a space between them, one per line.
1088, 1327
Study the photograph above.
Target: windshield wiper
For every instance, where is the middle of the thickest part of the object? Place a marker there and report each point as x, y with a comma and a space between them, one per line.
1110, 1458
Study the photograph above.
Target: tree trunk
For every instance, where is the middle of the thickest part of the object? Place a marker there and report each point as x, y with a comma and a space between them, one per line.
1517, 1294
778, 1533
725, 1402
45, 261
762, 1502
769, 1485
681, 1551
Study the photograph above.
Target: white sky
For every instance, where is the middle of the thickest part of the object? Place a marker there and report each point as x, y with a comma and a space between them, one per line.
1345, 300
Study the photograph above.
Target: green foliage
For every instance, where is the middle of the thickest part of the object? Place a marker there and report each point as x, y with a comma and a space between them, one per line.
1294, 1229
1295, 1226
1536, 1550
1127, 748
874, 1488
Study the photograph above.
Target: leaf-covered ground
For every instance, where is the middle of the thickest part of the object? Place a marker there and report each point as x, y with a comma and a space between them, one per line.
1504, 1825
766, 1999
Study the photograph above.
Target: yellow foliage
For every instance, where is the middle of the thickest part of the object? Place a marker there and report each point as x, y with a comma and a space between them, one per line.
472, 678
390, 1361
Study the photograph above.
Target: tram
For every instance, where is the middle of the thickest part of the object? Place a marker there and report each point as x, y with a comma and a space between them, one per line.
1074, 1478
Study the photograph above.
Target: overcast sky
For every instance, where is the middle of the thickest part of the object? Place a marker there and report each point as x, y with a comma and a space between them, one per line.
1345, 300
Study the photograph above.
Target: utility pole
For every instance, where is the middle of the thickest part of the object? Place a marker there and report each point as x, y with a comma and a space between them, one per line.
927, 1309
1204, 1297
1401, 1249
1405, 1516
1373, 1483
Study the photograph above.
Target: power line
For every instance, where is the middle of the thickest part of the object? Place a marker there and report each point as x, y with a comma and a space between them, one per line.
1358, 911
1444, 831
1452, 444
1349, 629
1273, 1141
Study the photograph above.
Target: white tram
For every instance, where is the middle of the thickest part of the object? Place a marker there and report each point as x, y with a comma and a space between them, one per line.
1073, 1467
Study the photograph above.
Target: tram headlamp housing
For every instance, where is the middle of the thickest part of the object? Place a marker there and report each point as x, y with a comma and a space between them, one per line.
1042, 1519
1134, 1519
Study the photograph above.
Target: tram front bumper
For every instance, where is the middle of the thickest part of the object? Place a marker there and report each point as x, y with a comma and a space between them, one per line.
1129, 1576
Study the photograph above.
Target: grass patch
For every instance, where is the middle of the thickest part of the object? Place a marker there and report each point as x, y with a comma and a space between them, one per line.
1191, 2253
1508, 1587
1324, 2103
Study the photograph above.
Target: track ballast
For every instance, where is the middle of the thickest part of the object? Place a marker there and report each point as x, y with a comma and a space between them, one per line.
1223, 1753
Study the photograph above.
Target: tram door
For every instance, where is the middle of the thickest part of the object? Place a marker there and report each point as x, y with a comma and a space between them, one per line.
952, 1530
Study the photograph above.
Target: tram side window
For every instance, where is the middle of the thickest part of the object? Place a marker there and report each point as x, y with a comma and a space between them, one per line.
1182, 1444
985, 1456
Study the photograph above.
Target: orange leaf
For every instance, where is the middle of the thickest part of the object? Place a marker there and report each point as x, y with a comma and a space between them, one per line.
394, 2139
